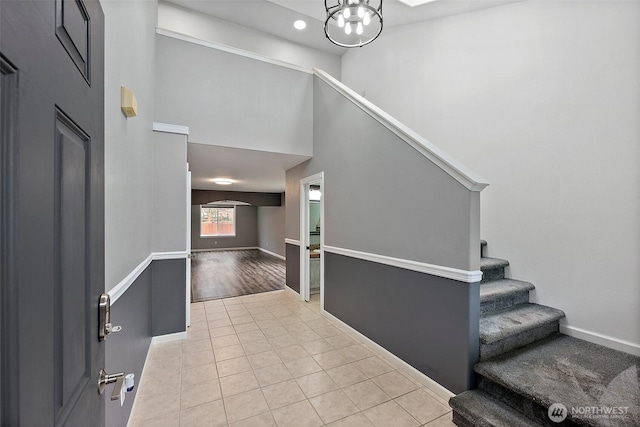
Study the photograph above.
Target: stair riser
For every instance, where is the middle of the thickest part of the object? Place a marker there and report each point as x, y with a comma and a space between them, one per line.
504, 303
516, 341
522, 404
461, 421
493, 274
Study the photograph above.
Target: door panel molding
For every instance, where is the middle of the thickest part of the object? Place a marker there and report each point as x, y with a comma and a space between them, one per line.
8, 290
73, 28
72, 283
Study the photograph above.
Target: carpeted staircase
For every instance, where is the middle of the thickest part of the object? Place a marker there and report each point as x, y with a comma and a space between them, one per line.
531, 375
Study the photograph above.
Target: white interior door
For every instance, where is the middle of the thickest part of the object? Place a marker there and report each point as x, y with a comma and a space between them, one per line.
305, 236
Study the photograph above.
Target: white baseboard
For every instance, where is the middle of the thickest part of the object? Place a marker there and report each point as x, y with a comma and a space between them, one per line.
614, 343
291, 291
272, 253
225, 249
159, 339
138, 384
140, 381
430, 384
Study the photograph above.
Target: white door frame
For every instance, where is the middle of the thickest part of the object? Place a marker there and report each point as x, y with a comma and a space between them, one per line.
188, 262
304, 236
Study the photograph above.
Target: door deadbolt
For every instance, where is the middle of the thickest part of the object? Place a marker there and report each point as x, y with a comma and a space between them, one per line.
105, 327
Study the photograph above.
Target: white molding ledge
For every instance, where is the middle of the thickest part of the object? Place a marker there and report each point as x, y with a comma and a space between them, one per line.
118, 290
230, 49
604, 340
429, 383
455, 169
292, 242
170, 255
169, 128
421, 267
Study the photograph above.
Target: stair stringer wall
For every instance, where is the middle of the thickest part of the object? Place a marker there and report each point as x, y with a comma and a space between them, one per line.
383, 197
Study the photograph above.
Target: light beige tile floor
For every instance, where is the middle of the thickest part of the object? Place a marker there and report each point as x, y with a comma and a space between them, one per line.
271, 360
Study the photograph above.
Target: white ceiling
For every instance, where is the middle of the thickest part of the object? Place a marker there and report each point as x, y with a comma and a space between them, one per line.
263, 171
276, 17
258, 171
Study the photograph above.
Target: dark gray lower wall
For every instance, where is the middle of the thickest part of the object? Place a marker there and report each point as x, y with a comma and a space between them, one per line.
127, 350
293, 266
168, 294
429, 322
153, 305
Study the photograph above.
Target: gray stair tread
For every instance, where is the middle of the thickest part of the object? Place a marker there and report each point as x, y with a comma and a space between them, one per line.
482, 410
576, 373
497, 326
499, 288
489, 263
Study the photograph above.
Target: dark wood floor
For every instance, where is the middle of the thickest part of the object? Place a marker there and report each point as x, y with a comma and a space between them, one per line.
224, 274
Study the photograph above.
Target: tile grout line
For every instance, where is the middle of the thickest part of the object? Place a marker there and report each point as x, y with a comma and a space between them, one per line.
215, 363
305, 315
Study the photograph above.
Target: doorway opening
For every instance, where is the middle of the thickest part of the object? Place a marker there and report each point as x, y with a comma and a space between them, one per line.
312, 237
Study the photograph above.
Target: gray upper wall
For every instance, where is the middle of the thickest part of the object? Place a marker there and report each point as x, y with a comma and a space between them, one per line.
169, 192
233, 101
271, 221
542, 98
130, 47
382, 196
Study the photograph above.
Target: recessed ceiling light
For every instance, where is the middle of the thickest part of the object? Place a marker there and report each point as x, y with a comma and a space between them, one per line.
414, 3
223, 181
300, 24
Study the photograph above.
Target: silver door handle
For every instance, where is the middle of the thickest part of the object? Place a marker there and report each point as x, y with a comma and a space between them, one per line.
104, 379
105, 326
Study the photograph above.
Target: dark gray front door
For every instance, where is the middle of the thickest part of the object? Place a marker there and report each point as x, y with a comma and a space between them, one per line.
52, 211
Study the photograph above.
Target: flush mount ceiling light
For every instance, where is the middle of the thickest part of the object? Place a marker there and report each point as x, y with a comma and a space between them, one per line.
353, 23
300, 24
223, 181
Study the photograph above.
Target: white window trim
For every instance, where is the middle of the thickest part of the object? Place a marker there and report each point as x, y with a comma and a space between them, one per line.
219, 236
